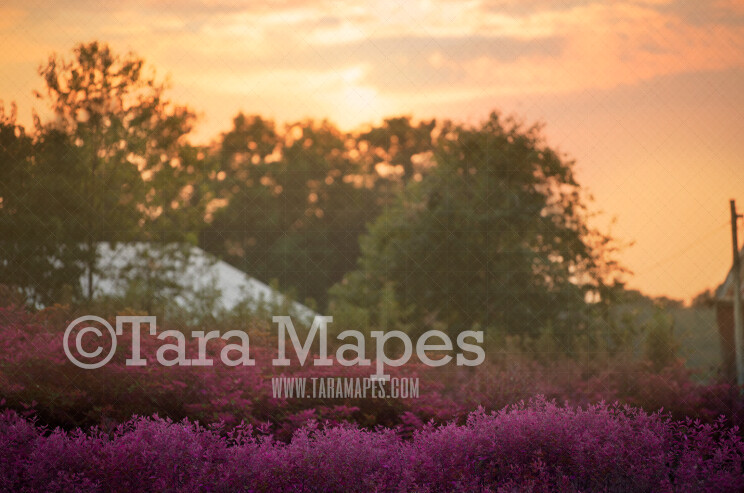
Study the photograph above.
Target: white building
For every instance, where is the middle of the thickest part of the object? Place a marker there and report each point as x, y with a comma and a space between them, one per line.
187, 274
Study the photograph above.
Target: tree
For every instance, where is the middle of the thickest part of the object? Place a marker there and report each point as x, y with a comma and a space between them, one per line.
704, 299
494, 236
126, 141
292, 214
28, 241
397, 140
660, 344
111, 165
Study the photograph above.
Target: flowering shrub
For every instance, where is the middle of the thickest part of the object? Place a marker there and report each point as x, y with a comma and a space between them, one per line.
534, 446
255, 442
34, 371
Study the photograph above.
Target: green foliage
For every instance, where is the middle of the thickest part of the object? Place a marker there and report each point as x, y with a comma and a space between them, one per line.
110, 166
397, 141
615, 319
126, 138
291, 213
480, 226
39, 199
704, 299
661, 346
495, 234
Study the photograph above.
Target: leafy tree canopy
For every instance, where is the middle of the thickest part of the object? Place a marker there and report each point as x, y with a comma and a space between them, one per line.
110, 165
295, 202
495, 235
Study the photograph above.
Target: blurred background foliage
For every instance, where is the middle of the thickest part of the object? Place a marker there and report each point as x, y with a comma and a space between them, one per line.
407, 224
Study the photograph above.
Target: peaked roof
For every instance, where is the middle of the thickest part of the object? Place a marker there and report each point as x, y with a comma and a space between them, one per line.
725, 291
192, 274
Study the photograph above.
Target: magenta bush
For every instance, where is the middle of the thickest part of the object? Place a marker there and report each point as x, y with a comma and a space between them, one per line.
34, 370
534, 446
254, 442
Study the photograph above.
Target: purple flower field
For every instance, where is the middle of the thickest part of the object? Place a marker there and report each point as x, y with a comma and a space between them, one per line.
220, 429
536, 446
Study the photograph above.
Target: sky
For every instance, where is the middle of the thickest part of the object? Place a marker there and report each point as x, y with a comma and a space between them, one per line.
646, 96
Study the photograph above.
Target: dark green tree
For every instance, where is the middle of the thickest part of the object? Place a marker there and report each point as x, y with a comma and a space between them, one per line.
296, 203
125, 139
110, 165
38, 251
494, 236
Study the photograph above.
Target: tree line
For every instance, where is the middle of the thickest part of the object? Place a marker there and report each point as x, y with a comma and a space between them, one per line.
414, 224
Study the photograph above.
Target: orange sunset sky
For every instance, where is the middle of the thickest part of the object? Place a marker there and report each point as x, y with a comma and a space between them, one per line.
646, 96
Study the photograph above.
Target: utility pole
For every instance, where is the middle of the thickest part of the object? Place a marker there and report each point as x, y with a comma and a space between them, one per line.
738, 327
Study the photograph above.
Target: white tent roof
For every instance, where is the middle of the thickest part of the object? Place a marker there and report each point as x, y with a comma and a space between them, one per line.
191, 273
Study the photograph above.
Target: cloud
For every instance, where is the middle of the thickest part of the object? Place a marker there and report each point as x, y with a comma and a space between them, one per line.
434, 51
416, 64
526, 7
716, 12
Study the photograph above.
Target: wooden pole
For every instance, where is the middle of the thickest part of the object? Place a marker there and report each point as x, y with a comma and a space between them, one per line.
738, 327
